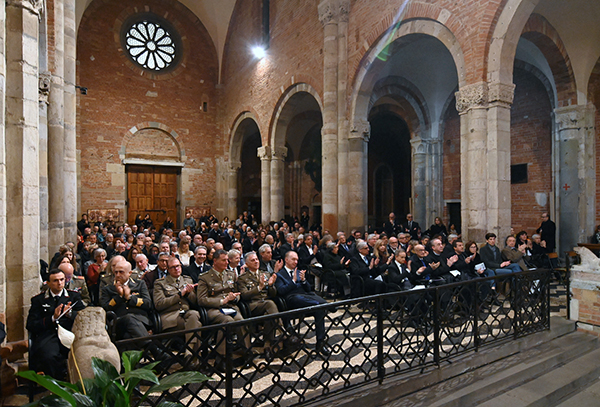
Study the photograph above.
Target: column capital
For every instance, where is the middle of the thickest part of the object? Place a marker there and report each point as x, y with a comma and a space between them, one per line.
34, 6
44, 80
279, 153
501, 93
234, 166
360, 129
420, 145
573, 117
472, 96
328, 12
264, 153
344, 10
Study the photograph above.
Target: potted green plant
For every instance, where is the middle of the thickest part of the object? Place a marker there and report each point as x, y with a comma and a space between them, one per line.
108, 388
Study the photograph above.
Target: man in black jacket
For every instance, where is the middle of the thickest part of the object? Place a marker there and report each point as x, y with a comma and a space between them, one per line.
46, 313
364, 266
197, 265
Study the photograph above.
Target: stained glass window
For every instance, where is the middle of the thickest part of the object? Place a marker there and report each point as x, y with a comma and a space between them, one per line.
150, 45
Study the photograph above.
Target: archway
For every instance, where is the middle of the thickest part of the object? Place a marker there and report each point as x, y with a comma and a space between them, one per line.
412, 70
296, 175
248, 179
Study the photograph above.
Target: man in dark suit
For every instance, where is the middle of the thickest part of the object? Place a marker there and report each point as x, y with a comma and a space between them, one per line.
287, 246
364, 266
266, 259
46, 313
391, 227
291, 284
547, 230
159, 272
197, 265
307, 253
344, 249
397, 272
411, 227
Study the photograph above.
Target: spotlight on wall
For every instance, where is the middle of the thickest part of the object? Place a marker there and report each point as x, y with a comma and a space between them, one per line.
82, 90
259, 52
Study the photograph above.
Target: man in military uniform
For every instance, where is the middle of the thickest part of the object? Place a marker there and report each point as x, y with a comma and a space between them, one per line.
73, 283
216, 293
256, 287
174, 296
46, 313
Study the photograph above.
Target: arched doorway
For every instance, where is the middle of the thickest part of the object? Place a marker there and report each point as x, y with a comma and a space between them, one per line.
248, 178
297, 156
389, 167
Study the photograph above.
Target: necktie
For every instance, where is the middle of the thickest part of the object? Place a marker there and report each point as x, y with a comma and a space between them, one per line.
366, 260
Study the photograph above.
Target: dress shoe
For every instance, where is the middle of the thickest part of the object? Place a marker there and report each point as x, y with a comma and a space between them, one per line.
268, 355
323, 349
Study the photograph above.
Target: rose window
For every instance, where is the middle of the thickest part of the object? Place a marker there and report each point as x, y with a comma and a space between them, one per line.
150, 45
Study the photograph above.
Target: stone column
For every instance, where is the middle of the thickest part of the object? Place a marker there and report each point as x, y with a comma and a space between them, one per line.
232, 191
22, 165
358, 141
485, 158
328, 15
277, 188
56, 133
3, 191
342, 75
44, 89
420, 155
264, 153
576, 188
70, 111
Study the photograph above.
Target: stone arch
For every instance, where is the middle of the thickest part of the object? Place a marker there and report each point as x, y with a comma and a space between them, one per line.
397, 86
541, 33
535, 71
237, 135
505, 38
370, 66
284, 110
149, 142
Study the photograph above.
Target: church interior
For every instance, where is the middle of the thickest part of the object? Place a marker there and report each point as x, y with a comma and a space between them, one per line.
484, 113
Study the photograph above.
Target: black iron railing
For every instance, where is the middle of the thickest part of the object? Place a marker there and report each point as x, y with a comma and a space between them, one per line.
371, 338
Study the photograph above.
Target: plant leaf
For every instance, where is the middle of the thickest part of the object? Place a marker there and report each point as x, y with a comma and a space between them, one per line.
177, 380
53, 401
49, 383
83, 400
104, 367
141, 374
130, 358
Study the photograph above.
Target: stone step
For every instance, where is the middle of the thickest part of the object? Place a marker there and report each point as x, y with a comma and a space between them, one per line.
553, 387
588, 397
522, 368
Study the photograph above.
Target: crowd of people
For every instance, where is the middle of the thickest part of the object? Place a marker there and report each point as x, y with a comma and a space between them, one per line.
134, 270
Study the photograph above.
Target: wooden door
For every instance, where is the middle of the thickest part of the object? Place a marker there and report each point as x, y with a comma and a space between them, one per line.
152, 190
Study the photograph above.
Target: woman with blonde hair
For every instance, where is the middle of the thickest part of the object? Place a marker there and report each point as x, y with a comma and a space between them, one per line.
184, 252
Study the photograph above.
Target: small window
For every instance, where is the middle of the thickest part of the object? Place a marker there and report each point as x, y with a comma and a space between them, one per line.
518, 174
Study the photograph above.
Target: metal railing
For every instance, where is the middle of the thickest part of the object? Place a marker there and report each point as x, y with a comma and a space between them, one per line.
371, 338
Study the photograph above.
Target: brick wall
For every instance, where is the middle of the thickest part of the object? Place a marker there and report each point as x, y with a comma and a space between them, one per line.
295, 56
120, 97
531, 143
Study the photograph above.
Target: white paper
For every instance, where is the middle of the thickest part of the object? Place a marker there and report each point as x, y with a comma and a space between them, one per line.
455, 273
66, 337
480, 266
379, 278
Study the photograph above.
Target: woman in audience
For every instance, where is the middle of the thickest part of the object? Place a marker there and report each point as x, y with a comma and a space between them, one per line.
380, 252
184, 253
333, 261
168, 223
93, 273
521, 238
153, 254
438, 228
133, 252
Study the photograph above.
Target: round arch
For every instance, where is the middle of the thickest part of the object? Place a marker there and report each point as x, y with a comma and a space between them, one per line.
237, 135
370, 66
152, 137
284, 111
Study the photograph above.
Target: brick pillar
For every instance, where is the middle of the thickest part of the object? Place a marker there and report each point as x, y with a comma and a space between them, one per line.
22, 162
358, 140
277, 193
56, 133
70, 111
328, 15
485, 158
342, 75
232, 191
576, 178
264, 153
